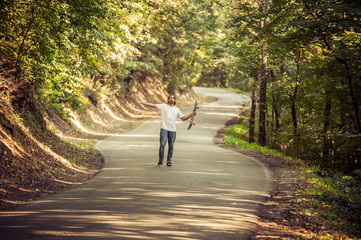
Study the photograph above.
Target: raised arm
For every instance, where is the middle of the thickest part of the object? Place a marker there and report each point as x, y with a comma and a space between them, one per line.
147, 104
188, 116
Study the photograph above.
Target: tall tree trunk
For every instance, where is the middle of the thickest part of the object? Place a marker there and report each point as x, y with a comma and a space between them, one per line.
275, 111
262, 99
263, 85
253, 110
294, 97
326, 128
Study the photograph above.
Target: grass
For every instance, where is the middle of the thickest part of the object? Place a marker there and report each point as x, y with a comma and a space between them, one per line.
242, 144
238, 132
328, 196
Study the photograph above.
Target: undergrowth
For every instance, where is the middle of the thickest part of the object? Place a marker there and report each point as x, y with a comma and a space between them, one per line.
332, 197
328, 196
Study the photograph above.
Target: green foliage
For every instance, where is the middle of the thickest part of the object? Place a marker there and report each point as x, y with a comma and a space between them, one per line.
236, 135
238, 131
313, 85
65, 47
332, 197
62, 90
71, 50
180, 31
53, 44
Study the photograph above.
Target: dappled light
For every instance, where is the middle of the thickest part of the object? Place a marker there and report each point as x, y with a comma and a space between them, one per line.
214, 211
110, 112
67, 182
209, 192
134, 115
78, 74
96, 118
75, 120
19, 152
15, 150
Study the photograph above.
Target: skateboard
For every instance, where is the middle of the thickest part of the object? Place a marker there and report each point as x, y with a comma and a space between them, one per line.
193, 114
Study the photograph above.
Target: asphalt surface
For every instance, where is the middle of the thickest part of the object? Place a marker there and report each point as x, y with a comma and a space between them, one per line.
208, 193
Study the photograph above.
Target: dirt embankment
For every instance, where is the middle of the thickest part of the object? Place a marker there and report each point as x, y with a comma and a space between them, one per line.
43, 152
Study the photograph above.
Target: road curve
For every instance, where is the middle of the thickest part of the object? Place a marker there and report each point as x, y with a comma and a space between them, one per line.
208, 193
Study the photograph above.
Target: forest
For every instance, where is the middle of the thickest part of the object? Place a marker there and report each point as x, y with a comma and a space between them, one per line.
299, 60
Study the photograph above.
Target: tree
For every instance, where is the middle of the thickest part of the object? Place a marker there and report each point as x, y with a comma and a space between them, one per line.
51, 43
323, 30
263, 86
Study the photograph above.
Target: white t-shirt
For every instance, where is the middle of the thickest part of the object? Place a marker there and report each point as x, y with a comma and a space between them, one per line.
169, 116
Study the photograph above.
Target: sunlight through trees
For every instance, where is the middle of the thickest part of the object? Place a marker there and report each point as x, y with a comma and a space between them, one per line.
301, 58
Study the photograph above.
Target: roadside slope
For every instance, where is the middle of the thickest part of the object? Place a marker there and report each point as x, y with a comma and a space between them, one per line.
43, 151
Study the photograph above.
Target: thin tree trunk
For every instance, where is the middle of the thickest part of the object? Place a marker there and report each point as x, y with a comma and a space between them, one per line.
253, 111
275, 111
294, 98
294, 116
262, 100
263, 86
326, 128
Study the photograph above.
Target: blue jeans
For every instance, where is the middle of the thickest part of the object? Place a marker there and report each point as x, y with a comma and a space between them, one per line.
165, 136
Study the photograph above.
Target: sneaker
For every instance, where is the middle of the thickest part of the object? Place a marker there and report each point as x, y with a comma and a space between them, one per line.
169, 164
160, 163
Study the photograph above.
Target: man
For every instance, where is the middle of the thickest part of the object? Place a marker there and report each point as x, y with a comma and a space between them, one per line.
169, 114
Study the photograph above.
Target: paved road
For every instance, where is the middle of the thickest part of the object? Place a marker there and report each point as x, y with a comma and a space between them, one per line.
209, 193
